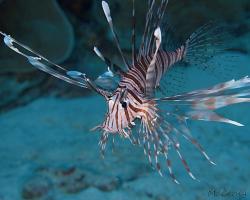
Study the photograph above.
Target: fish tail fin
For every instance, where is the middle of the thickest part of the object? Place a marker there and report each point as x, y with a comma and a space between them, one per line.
204, 44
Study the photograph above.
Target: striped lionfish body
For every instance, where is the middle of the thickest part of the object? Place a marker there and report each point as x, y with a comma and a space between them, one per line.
129, 100
133, 107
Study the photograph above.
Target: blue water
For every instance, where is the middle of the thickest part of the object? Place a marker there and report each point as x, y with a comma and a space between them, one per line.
47, 151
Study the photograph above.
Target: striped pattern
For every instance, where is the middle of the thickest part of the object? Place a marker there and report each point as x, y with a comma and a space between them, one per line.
120, 119
164, 60
133, 38
134, 81
154, 18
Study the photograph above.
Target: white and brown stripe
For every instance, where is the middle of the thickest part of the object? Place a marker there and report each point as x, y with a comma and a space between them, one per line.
134, 82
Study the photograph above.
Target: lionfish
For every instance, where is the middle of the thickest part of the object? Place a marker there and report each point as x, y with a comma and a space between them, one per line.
133, 106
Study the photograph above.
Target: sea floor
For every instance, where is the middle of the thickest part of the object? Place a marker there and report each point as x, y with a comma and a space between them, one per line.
47, 152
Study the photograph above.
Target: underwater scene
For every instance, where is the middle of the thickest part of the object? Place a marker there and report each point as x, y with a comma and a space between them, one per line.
124, 100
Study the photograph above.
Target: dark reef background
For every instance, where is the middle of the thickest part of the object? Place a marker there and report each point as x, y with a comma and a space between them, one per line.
46, 149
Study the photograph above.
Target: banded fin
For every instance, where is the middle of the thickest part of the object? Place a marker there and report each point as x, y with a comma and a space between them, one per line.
203, 103
133, 37
195, 105
158, 140
151, 74
211, 116
113, 67
43, 64
107, 13
154, 19
177, 126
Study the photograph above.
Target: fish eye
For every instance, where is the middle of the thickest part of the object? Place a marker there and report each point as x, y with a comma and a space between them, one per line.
124, 104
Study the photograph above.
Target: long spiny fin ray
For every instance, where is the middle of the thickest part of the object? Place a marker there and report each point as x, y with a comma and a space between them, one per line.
154, 18
170, 137
151, 76
156, 143
103, 142
177, 147
107, 13
193, 141
115, 68
215, 91
203, 103
133, 38
183, 130
38, 60
149, 28
99, 54
161, 146
170, 169
159, 16
184, 162
210, 116
8, 40
148, 20
164, 145
148, 146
